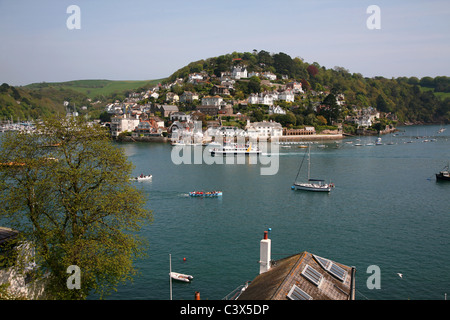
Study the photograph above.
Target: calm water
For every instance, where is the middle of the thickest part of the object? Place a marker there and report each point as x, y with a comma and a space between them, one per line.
386, 209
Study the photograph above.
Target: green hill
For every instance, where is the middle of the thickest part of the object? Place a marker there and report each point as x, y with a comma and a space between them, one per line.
96, 88
41, 99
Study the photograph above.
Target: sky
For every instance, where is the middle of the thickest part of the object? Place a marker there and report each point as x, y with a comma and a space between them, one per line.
146, 39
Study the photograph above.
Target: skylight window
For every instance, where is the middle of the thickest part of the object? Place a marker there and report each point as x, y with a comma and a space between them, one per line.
332, 268
298, 294
312, 275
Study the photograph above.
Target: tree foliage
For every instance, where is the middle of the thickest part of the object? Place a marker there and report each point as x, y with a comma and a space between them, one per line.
67, 190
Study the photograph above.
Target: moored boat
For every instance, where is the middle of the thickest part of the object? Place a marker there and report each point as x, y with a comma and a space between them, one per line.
311, 184
444, 175
181, 276
142, 177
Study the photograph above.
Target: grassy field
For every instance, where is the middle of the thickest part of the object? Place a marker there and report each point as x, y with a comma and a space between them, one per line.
441, 95
93, 88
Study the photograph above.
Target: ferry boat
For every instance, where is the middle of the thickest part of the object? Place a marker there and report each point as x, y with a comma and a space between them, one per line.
205, 194
235, 149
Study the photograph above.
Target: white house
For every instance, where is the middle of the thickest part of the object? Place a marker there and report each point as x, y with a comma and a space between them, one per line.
212, 101
287, 96
269, 75
264, 129
194, 78
180, 116
276, 110
262, 98
239, 73
253, 74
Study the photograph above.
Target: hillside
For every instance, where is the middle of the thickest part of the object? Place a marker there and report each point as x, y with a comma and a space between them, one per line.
413, 100
410, 99
96, 88
84, 96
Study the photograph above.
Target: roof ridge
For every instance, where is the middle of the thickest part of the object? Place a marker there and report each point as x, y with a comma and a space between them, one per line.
302, 255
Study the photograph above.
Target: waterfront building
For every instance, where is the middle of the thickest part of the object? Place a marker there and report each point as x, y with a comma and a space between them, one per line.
264, 129
307, 130
123, 123
147, 128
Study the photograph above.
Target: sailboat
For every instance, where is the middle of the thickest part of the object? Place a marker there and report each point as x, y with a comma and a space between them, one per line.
311, 184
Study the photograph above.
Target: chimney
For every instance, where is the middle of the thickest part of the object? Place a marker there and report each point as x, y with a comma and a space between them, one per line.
264, 253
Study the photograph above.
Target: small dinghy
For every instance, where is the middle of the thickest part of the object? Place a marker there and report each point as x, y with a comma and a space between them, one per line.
181, 277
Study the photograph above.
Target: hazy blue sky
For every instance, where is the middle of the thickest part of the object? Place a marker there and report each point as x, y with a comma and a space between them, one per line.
140, 40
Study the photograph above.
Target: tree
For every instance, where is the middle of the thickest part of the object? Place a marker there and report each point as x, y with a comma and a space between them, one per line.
312, 70
67, 190
331, 111
254, 85
283, 64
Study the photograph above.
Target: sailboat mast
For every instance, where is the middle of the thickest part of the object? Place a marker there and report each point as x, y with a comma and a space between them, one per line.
170, 272
309, 161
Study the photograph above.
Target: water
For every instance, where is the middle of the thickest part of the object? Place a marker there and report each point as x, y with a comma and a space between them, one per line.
386, 209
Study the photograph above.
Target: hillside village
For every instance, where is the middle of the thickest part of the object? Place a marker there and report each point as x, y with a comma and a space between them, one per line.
240, 101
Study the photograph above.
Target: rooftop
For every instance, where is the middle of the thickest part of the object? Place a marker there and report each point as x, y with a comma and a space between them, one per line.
303, 276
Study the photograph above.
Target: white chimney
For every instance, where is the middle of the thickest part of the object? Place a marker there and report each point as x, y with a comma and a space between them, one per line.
264, 253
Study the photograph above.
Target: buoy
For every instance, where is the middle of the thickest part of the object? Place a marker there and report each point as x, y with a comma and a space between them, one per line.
270, 229
184, 259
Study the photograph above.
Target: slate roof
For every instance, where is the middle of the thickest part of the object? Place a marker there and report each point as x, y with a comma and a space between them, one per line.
276, 283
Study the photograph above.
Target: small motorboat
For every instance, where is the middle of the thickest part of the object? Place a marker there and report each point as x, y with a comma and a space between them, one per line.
444, 175
181, 277
205, 194
142, 177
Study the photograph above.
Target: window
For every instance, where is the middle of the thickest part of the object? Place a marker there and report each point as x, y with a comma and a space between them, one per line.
332, 268
298, 294
312, 275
